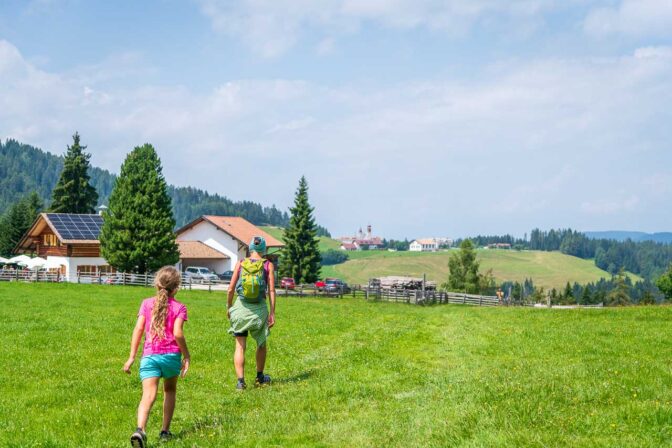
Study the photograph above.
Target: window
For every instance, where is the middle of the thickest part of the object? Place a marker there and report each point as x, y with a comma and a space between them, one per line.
50, 240
86, 269
106, 269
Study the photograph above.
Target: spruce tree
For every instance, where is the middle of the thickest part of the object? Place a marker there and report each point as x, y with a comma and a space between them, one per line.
73, 192
463, 266
138, 227
619, 296
301, 256
17, 220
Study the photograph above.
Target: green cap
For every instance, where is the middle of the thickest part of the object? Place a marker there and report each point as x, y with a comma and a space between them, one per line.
258, 244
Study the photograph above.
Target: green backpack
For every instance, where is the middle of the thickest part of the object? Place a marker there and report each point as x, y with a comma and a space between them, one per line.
252, 281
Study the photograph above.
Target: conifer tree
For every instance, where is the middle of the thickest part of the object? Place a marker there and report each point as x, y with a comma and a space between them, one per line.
17, 220
73, 192
138, 227
619, 296
464, 275
301, 256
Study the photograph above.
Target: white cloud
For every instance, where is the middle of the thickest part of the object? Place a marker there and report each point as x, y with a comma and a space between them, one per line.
526, 142
633, 18
271, 27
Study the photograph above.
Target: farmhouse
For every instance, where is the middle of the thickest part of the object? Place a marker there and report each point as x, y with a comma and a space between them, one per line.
424, 245
498, 246
218, 242
68, 240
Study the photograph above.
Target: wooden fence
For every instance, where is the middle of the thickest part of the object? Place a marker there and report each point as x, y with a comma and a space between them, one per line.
418, 297
375, 293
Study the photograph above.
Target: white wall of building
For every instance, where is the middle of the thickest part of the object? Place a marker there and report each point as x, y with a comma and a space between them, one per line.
210, 235
415, 247
71, 264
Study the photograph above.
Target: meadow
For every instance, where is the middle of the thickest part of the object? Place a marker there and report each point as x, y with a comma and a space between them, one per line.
346, 373
547, 269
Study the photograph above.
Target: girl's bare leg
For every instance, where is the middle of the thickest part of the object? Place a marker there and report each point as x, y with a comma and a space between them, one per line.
149, 387
169, 391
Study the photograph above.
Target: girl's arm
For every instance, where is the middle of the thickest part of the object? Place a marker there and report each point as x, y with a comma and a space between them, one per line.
136, 337
232, 289
178, 333
271, 293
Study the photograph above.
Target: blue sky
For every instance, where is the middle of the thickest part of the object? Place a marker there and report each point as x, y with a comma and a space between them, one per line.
420, 117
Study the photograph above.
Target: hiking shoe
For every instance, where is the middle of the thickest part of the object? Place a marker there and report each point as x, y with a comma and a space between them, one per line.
240, 385
139, 439
262, 381
165, 436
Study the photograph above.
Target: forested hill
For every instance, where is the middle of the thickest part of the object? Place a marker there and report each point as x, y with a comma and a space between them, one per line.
24, 168
619, 235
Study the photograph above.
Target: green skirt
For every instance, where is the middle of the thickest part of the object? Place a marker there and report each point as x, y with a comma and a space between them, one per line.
250, 317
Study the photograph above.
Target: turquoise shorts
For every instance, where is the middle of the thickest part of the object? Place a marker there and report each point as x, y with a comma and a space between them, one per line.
167, 365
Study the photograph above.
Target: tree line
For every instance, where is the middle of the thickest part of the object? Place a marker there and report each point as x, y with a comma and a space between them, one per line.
647, 259
24, 169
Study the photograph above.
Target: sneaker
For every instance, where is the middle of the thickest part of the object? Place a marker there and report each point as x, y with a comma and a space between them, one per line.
240, 385
262, 381
165, 436
139, 439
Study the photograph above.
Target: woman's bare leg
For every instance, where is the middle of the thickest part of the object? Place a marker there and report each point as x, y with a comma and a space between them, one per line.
239, 356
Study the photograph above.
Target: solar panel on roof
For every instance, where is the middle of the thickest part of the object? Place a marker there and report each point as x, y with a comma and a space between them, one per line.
76, 227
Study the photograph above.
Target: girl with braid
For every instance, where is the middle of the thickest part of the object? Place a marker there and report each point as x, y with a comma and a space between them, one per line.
165, 353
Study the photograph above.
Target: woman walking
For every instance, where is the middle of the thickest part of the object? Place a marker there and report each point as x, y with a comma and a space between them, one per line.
253, 280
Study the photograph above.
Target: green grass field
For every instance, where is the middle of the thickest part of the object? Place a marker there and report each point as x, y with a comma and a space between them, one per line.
347, 374
324, 242
547, 269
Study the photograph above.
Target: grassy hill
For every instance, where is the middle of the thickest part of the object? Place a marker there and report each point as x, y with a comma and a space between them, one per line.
324, 243
547, 269
346, 374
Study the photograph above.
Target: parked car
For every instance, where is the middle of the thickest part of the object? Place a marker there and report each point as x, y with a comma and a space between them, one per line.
287, 283
336, 285
226, 276
198, 274
319, 285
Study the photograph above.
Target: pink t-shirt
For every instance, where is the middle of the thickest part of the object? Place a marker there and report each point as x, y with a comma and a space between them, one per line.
167, 344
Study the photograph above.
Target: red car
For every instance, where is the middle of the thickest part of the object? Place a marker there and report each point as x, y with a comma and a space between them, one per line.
287, 283
320, 284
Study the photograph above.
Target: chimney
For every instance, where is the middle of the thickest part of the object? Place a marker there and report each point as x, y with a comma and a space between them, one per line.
101, 209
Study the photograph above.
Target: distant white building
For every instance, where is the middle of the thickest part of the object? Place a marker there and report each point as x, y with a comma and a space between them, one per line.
361, 240
424, 245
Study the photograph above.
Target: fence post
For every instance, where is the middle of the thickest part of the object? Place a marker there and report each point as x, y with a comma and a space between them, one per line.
123, 279
78, 274
209, 286
146, 279
464, 298
480, 300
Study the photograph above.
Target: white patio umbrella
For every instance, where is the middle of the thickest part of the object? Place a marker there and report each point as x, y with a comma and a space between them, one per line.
3, 260
20, 259
36, 262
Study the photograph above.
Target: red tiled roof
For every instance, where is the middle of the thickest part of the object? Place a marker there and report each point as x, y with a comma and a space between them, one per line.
198, 249
239, 228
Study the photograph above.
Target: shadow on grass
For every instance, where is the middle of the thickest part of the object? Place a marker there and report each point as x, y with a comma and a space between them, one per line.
296, 378
216, 422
